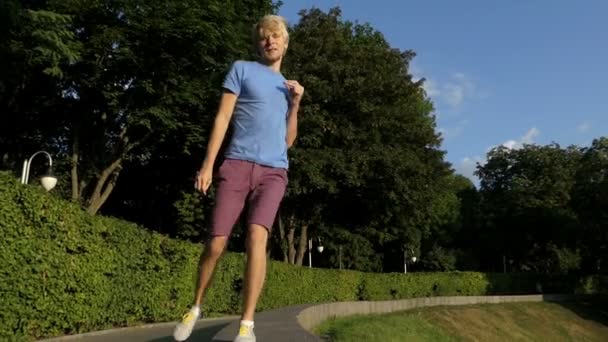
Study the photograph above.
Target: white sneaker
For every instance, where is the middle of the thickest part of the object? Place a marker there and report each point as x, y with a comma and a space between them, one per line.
245, 334
184, 328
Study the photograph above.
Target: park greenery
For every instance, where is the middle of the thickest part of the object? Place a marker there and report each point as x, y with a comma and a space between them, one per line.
64, 271
123, 93
573, 321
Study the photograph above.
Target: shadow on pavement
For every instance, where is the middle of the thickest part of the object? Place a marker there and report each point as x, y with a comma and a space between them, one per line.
199, 335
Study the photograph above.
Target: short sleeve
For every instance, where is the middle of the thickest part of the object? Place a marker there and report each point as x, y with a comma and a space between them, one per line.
234, 78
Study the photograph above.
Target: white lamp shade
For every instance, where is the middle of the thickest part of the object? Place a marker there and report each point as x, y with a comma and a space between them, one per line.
414, 259
320, 249
48, 182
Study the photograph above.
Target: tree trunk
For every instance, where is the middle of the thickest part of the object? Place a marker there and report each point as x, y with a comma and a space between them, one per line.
282, 240
291, 242
303, 245
107, 179
105, 185
74, 161
291, 238
83, 185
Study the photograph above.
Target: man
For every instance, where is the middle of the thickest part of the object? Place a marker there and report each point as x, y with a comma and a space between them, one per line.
262, 107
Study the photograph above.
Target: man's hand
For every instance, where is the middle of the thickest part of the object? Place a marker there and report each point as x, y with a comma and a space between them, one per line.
295, 91
203, 179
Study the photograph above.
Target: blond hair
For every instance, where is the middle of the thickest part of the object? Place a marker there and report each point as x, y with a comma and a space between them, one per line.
270, 23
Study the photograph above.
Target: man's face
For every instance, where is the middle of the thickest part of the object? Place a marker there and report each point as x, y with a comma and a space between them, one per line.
272, 45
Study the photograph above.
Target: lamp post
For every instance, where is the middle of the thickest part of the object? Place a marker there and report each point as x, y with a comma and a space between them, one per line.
48, 180
319, 248
413, 258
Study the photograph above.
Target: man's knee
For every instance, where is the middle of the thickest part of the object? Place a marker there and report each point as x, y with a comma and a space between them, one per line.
216, 246
258, 235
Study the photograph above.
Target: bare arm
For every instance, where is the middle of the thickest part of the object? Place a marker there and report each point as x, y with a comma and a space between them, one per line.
296, 92
220, 126
292, 124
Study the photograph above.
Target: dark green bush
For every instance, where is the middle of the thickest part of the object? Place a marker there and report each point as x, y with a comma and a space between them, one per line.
288, 285
63, 271
397, 286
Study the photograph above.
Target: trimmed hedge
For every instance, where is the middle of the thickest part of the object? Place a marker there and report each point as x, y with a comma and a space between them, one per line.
63, 271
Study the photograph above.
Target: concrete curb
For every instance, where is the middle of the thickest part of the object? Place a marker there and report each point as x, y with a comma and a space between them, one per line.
296, 323
312, 316
118, 330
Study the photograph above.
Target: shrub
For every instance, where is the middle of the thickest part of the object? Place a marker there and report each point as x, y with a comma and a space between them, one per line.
289, 285
63, 271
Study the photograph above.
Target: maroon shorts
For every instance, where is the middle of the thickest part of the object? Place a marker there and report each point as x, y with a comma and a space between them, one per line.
238, 181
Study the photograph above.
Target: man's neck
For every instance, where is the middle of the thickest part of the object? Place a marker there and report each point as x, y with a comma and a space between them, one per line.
274, 66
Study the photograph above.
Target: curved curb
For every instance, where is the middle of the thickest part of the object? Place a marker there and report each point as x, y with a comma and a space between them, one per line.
296, 323
312, 316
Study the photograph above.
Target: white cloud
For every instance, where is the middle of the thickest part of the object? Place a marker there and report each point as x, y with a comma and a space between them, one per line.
459, 87
453, 95
453, 92
467, 166
584, 127
452, 131
527, 138
415, 70
511, 144
430, 88
530, 135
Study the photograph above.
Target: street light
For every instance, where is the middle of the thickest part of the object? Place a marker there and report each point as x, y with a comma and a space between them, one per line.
319, 248
48, 180
413, 258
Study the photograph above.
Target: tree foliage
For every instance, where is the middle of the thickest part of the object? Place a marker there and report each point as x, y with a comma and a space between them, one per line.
141, 73
367, 153
533, 200
123, 94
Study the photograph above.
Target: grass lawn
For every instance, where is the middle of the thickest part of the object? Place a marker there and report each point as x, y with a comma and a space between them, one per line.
489, 322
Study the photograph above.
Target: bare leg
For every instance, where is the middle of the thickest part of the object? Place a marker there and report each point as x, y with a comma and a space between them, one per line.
256, 269
207, 263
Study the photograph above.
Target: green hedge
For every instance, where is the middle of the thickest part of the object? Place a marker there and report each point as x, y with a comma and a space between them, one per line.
63, 271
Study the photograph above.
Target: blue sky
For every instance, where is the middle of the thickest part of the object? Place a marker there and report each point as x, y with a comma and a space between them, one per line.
498, 72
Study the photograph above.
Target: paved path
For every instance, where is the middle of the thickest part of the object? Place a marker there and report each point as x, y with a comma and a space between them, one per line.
280, 325
204, 330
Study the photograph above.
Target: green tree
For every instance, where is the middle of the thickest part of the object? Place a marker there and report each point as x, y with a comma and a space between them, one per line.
149, 72
526, 195
152, 73
367, 156
590, 200
157, 190
454, 226
36, 46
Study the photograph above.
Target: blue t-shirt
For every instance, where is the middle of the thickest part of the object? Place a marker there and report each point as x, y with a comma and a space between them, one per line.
259, 120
